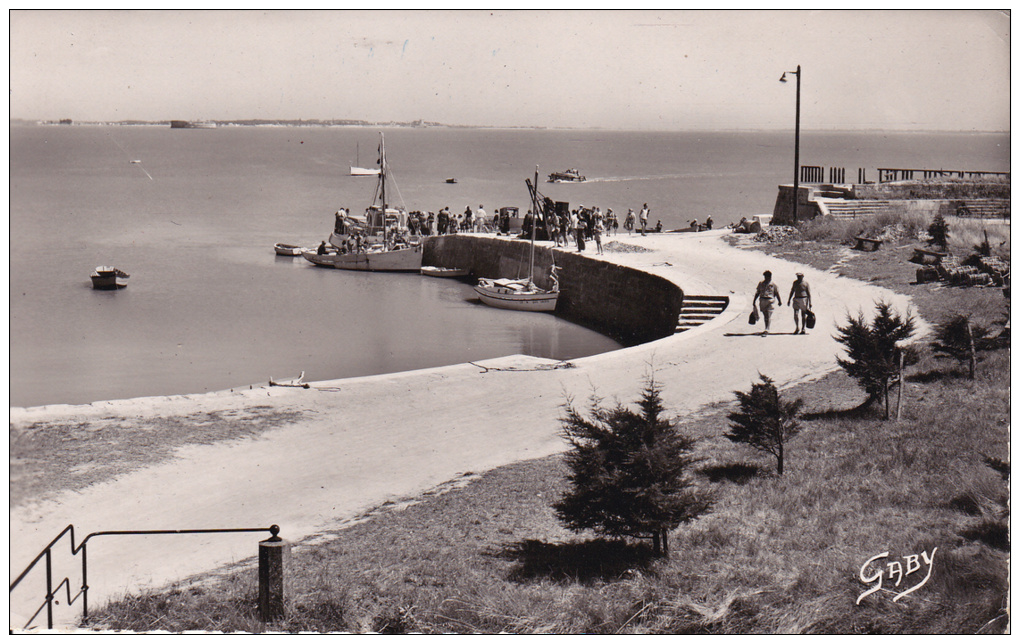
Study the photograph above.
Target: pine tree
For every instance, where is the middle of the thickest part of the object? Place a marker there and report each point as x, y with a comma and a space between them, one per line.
961, 339
939, 232
628, 472
765, 422
873, 351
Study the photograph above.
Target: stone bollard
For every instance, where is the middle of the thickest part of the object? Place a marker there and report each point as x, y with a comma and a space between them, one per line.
273, 555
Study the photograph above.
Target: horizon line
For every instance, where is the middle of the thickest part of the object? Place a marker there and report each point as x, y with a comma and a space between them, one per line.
430, 124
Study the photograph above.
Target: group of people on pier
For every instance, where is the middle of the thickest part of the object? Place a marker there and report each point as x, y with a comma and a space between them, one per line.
564, 226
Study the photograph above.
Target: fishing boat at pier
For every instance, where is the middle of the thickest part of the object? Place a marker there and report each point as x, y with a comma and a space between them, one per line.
522, 294
379, 242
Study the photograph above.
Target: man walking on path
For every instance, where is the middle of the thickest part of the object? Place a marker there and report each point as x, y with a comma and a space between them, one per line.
765, 294
644, 219
800, 300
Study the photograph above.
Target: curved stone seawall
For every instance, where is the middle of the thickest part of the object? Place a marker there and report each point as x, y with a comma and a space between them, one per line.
630, 305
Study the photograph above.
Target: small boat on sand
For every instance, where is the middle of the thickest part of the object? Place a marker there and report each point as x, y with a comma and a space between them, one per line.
444, 272
108, 278
283, 249
451, 180
294, 382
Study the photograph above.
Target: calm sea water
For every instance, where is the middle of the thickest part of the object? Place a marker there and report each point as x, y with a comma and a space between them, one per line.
209, 306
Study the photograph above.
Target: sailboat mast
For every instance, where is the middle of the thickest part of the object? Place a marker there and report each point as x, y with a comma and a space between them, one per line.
534, 222
382, 181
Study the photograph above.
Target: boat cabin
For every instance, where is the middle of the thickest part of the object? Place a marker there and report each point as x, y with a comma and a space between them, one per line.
394, 219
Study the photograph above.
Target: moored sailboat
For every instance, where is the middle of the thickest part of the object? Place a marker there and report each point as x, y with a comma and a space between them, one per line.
522, 294
358, 171
375, 244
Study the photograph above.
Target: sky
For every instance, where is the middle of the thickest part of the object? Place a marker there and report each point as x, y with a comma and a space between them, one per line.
635, 70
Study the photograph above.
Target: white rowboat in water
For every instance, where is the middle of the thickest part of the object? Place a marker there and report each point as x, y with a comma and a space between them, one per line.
283, 249
444, 272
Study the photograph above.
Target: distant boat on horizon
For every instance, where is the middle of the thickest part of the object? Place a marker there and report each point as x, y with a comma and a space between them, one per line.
356, 171
178, 123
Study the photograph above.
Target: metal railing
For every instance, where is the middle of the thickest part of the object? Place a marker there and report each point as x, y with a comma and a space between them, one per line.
816, 174
886, 175
82, 548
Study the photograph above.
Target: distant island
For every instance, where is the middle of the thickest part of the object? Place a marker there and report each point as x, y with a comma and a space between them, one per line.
217, 123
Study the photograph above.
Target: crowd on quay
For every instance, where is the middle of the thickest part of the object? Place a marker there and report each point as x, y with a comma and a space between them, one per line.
566, 228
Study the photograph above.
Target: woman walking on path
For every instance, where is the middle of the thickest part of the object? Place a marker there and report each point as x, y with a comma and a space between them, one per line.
765, 294
800, 300
628, 223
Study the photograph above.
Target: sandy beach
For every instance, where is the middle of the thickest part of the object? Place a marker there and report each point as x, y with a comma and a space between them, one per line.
361, 442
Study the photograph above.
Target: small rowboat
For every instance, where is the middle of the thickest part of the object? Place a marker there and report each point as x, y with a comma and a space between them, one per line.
444, 272
451, 180
283, 249
107, 278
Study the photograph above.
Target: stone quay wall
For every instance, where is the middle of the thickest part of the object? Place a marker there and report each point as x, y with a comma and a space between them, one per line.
629, 305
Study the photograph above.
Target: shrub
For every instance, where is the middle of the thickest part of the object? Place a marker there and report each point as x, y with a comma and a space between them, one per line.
765, 422
939, 232
872, 349
958, 338
628, 472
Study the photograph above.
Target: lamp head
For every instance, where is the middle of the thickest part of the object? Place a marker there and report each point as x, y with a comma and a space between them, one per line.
783, 78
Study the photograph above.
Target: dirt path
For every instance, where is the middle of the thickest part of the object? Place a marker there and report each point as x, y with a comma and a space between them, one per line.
361, 442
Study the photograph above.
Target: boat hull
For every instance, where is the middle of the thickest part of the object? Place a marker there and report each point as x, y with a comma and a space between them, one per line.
320, 260
107, 283
356, 171
504, 298
407, 259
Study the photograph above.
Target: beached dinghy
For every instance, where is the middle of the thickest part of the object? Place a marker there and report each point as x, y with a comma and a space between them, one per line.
108, 278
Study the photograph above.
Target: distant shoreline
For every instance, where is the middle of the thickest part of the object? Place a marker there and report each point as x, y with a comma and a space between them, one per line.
312, 123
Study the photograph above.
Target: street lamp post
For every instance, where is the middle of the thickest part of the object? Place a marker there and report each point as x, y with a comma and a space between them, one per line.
796, 146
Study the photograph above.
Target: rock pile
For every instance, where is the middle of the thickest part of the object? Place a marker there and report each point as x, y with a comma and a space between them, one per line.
776, 234
623, 248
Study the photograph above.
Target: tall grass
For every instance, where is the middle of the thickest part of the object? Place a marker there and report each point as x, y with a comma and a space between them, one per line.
887, 225
966, 233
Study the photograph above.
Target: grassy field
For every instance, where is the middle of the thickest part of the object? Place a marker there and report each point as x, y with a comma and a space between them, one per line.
776, 554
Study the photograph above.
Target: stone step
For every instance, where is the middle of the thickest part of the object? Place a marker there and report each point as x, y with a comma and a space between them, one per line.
700, 309
694, 315
704, 304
